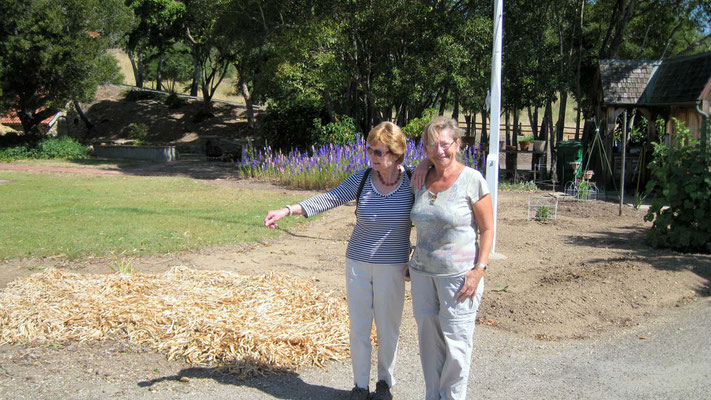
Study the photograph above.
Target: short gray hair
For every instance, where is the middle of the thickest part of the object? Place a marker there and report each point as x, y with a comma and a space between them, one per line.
433, 129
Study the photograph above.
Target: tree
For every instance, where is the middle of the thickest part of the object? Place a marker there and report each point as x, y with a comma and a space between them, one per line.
158, 26
177, 67
210, 46
55, 51
254, 28
380, 59
639, 29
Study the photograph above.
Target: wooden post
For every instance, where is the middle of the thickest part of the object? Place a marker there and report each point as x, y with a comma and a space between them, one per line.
624, 150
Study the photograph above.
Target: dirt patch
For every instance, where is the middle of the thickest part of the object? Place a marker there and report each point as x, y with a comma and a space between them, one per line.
584, 275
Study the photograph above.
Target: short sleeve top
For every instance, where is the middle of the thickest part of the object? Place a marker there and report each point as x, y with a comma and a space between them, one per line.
446, 227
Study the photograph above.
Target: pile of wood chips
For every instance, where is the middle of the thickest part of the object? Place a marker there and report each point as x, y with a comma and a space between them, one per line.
249, 324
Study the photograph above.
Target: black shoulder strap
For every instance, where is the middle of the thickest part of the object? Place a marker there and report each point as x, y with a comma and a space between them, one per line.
360, 187
409, 176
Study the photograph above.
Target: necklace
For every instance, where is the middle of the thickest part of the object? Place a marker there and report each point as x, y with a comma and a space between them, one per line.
399, 174
433, 197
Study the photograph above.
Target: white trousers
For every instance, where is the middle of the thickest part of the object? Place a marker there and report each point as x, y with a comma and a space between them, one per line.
374, 291
445, 329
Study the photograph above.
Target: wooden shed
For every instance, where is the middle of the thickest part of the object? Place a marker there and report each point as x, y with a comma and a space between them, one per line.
671, 88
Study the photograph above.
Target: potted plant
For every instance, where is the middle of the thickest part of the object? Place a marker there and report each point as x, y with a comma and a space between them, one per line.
525, 141
539, 146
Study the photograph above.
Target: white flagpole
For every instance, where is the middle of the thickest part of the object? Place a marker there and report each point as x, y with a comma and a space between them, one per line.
492, 160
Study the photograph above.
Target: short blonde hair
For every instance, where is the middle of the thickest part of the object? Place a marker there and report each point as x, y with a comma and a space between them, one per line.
434, 128
390, 135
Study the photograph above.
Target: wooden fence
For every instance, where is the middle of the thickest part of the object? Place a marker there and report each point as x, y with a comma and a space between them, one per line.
568, 131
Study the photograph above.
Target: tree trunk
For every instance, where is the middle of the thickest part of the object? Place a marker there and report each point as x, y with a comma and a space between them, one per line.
455, 111
472, 129
484, 134
515, 137
560, 125
29, 124
197, 74
533, 122
137, 66
249, 103
31, 121
614, 37
89, 124
509, 139
443, 102
159, 73
548, 123
578, 89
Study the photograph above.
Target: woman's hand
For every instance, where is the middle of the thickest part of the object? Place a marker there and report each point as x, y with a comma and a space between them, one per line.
275, 215
420, 173
406, 274
471, 283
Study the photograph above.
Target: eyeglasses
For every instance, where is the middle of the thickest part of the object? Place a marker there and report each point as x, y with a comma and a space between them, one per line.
377, 153
444, 146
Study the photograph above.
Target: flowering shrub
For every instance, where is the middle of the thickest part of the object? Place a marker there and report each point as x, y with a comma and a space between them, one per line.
327, 166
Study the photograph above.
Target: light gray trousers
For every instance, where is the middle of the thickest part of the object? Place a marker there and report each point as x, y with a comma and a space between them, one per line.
445, 329
374, 291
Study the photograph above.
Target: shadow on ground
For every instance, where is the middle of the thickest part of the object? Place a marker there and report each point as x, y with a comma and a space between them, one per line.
284, 385
192, 166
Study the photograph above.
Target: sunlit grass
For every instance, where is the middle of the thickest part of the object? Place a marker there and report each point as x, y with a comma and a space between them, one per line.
77, 216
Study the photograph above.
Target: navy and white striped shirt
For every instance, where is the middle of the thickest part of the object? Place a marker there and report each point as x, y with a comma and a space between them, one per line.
382, 231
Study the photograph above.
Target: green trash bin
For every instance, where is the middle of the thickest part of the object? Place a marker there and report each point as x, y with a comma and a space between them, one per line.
568, 152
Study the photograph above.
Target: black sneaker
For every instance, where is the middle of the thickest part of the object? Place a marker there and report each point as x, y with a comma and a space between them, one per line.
359, 394
382, 391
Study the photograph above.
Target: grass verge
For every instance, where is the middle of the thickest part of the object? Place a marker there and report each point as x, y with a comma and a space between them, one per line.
78, 216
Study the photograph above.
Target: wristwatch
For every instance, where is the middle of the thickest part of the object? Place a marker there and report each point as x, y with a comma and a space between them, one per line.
482, 265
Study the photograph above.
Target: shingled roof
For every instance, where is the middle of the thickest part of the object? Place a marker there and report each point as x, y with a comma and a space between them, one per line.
681, 80
624, 81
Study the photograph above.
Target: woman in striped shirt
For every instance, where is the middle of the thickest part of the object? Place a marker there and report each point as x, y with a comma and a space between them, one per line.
377, 254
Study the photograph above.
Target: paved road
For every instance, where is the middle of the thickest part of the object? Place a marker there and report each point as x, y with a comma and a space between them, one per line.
669, 359
673, 362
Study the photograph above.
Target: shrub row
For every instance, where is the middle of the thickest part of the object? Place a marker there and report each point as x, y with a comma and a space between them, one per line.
48, 148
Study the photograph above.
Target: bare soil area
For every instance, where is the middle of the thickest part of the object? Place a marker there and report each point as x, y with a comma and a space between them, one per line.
585, 276
580, 276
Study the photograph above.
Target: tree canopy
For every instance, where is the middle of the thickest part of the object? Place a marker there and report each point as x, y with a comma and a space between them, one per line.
55, 51
371, 60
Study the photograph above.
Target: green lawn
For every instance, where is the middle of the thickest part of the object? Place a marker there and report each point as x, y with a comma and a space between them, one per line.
77, 216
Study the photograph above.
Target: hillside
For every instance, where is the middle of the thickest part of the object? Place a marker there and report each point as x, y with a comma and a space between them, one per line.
183, 125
